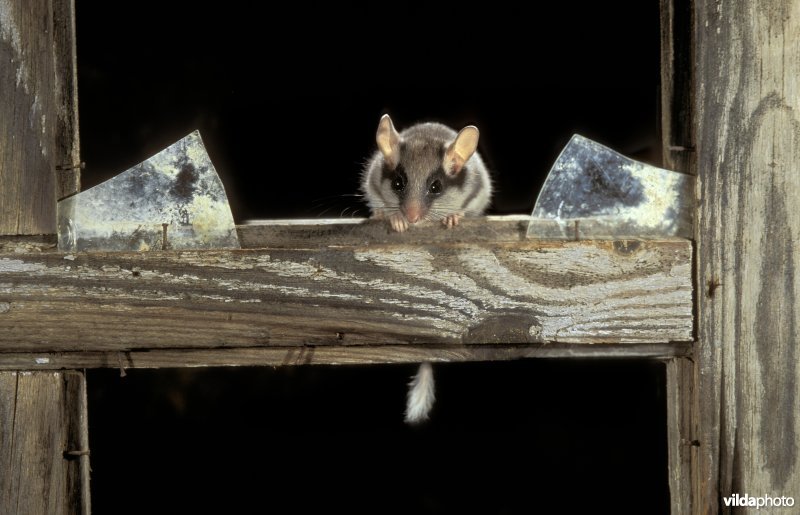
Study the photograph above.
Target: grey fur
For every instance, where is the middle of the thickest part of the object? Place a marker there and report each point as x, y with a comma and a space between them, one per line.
467, 192
422, 149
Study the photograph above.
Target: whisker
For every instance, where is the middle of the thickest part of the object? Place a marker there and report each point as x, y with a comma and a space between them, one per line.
336, 203
353, 214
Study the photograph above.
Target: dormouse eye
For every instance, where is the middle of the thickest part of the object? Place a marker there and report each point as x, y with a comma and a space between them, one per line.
435, 188
399, 182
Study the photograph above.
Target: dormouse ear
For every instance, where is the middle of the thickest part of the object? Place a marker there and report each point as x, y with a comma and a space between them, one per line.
460, 150
388, 141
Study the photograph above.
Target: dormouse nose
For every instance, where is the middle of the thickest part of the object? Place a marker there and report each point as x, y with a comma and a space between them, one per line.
414, 211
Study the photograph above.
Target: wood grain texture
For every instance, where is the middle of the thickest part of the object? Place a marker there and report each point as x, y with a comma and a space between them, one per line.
334, 355
27, 244
682, 445
44, 462
679, 154
501, 292
677, 86
67, 135
358, 231
748, 125
294, 233
38, 113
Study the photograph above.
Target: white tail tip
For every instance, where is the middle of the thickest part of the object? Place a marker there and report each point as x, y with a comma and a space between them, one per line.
420, 395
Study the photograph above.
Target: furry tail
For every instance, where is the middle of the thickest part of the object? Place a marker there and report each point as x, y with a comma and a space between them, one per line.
420, 395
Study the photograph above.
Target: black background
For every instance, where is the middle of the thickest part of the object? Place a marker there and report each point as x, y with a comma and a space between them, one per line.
287, 98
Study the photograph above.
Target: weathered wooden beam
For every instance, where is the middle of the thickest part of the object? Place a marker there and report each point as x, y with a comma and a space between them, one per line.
333, 355
44, 460
38, 113
294, 233
448, 293
358, 231
677, 138
351, 232
748, 228
677, 86
682, 445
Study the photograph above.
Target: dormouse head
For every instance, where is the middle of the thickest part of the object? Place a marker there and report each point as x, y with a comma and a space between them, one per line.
425, 163
456, 155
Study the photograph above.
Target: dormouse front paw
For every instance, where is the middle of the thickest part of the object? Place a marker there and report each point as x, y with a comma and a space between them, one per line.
398, 222
452, 220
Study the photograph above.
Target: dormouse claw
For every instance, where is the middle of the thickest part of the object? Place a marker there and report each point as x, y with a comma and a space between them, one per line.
452, 220
398, 222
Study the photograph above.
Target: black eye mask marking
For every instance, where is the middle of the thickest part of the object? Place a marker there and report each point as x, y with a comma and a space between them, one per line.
399, 180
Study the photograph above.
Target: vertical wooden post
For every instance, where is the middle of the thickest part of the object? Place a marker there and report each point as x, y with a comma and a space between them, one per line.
677, 142
682, 445
43, 443
38, 113
44, 462
747, 122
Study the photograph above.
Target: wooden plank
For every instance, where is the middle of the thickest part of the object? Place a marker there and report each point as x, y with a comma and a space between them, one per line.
677, 86
44, 462
76, 422
27, 244
681, 440
360, 231
500, 292
38, 113
335, 232
44, 465
67, 140
333, 355
748, 150
349, 232
677, 89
